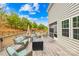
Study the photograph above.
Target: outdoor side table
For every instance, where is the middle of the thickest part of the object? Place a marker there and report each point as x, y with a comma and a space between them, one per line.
37, 45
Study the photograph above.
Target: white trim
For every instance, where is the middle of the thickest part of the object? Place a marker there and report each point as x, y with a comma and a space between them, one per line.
49, 7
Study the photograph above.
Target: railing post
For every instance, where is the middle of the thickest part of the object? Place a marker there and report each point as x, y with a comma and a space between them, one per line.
1, 41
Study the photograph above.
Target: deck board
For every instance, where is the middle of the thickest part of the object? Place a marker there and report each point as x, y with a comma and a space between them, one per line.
51, 48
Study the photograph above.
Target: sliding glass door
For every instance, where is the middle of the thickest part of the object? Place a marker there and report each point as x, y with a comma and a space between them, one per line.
53, 29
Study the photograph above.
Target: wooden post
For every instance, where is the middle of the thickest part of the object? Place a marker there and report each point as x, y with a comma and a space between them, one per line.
1, 41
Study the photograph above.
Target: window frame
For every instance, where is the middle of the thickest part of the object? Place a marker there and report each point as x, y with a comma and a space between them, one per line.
76, 28
65, 30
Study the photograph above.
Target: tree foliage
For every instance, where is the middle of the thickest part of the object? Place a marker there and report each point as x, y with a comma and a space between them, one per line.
19, 23
42, 27
14, 21
34, 25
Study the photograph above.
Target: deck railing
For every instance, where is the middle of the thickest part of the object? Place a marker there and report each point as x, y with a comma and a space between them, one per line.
7, 39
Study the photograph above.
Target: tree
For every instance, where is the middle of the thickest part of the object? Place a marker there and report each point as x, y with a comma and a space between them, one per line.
18, 23
34, 25
13, 20
3, 16
24, 23
42, 27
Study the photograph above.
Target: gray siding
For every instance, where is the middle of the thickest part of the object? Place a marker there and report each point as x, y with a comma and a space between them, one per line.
60, 12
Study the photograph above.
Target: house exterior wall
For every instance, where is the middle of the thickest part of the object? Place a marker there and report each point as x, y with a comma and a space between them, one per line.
55, 14
63, 11
60, 12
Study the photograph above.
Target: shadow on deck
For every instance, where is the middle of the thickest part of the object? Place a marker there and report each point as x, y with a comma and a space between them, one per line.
51, 48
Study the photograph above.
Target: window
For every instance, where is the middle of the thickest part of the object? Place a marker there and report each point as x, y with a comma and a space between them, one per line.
76, 33
65, 24
65, 32
76, 27
65, 28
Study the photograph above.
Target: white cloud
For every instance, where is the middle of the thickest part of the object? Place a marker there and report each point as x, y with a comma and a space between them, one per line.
45, 23
35, 19
26, 7
30, 8
44, 17
5, 8
2, 5
27, 16
36, 6
32, 12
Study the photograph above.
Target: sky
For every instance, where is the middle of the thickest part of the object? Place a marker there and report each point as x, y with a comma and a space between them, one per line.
36, 12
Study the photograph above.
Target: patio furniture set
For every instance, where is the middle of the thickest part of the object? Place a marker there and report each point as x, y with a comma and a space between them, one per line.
21, 43
20, 47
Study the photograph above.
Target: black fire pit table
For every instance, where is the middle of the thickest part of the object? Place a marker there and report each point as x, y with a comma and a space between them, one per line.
37, 44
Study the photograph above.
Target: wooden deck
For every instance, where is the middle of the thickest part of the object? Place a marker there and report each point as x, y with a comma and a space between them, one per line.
53, 48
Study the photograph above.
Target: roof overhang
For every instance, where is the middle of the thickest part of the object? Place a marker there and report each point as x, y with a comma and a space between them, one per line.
49, 7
